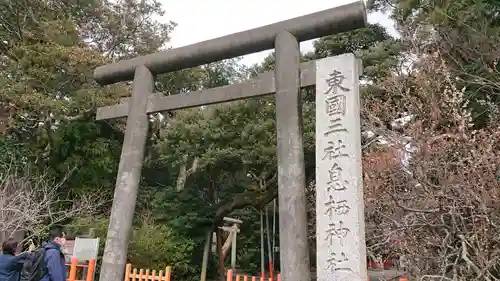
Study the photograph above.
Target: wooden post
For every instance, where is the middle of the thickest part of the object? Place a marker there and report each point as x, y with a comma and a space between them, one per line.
262, 248
141, 274
168, 272
134, 274
72, 271
233, 246
206, 254
128, 270
91, 271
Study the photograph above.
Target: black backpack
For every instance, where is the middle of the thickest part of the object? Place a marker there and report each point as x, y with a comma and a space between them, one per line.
34, 268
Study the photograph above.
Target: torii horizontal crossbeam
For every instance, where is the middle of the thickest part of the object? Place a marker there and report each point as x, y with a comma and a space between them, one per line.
262, 85
336, 20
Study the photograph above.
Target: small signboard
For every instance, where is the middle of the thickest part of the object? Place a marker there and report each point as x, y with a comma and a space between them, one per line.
86, 248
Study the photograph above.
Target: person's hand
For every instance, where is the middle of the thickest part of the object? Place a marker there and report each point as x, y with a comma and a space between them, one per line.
32, 246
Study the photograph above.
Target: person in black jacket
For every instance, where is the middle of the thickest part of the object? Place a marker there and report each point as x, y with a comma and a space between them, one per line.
10, 264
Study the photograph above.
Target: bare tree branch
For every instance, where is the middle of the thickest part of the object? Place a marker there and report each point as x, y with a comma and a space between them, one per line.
31, 203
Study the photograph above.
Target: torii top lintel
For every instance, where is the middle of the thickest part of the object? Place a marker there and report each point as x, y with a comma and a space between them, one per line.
336, 20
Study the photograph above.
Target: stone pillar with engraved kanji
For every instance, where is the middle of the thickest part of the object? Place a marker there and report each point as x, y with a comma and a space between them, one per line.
340, 225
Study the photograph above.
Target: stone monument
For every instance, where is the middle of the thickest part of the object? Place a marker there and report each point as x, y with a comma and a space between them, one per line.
340, 224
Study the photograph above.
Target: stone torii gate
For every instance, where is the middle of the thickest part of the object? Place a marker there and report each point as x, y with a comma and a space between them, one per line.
289, 76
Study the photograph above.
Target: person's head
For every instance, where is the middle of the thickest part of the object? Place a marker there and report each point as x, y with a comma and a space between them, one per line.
56, 234
9, 246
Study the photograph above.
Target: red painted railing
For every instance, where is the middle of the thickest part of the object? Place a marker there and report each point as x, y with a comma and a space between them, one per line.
73, 270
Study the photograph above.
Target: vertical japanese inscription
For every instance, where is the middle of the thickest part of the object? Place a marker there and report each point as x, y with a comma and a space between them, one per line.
335, 111
339, 195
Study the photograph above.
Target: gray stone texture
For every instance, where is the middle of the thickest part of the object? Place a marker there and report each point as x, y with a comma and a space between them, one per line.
340, 227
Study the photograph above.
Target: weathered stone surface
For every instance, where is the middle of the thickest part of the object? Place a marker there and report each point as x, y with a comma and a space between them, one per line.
294, 247
128, 178
340, 228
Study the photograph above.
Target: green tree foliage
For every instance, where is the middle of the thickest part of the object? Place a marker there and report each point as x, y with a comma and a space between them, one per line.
380, 54
200, 165
378, 50
48, 51
152, 245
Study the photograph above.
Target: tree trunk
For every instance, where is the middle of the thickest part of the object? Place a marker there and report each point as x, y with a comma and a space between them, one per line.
221, 268
262, 254
206, 255
270, 251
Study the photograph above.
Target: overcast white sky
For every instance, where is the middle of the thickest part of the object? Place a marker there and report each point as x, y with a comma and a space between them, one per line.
200, 20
